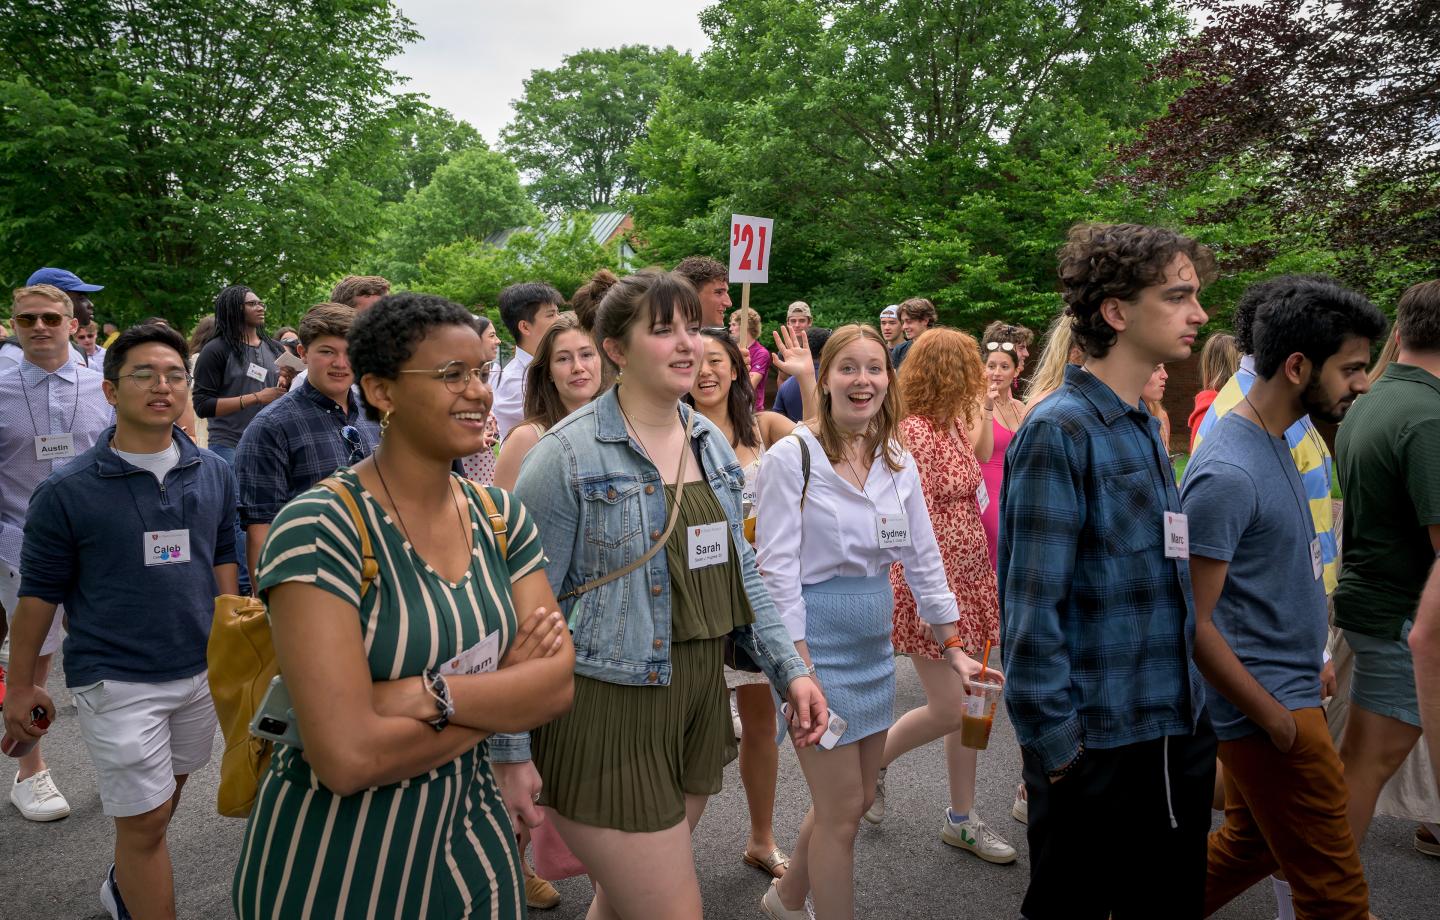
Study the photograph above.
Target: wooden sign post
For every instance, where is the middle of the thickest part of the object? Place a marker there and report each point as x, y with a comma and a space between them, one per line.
750, 239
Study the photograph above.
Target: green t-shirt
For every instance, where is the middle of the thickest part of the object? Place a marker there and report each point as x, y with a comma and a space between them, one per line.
1388, 456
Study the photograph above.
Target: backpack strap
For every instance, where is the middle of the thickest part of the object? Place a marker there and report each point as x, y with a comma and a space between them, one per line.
369, 567
804, 467
497, 521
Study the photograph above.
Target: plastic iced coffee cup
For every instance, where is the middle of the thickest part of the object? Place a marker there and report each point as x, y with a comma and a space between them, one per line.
979, 714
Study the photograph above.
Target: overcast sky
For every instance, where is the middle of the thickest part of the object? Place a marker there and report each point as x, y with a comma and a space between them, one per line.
474, 56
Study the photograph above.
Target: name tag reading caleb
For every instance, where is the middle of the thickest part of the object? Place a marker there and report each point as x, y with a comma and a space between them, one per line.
709, 544
167, 547
54, 446
893, 530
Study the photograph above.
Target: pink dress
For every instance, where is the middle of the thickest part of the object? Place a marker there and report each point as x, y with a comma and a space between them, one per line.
994, 471
949, 478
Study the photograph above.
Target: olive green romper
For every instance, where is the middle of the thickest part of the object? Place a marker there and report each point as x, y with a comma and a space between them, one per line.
624, 757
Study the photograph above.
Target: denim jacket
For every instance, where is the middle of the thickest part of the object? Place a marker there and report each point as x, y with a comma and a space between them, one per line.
599, 502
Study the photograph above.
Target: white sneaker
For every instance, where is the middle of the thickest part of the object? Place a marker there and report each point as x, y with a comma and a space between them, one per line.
38, 799
772, 907
974, 836
1020, 811
876, 813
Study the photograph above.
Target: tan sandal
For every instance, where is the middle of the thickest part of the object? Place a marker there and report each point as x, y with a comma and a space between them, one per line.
774, 860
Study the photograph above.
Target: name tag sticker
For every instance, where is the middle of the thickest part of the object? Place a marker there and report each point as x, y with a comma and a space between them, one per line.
709, 544
167, 547
893, 529
256, 372
54, 446
1177, 536
480, 658
982, 495
1316, 564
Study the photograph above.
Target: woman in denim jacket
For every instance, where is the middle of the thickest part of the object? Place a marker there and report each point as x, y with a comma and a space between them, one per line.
626, 773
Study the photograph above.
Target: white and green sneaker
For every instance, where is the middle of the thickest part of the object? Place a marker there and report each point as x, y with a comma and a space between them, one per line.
972, 834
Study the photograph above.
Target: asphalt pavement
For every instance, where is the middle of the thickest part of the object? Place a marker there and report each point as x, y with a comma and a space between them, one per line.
53, 872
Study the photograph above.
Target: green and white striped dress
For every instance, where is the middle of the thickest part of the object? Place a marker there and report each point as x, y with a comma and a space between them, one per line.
434, 846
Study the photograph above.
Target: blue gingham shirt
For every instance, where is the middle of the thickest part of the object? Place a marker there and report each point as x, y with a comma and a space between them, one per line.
292, 444
1097, 626
35, 402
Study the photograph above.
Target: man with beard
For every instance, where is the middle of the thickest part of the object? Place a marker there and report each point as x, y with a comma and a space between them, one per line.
1260, 610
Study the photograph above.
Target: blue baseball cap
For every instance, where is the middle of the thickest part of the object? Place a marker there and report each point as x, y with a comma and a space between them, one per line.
62, 279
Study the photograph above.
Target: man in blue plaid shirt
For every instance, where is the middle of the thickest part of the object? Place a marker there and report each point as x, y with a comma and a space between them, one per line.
308, 433
1097, 619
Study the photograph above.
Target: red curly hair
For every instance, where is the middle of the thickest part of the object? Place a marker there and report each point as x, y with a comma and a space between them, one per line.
942, 378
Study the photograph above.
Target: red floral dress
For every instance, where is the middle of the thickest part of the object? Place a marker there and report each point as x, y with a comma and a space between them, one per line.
949, 478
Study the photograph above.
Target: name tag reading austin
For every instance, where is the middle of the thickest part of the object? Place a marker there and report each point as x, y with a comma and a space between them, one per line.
167, 547
709, 544
54, 446
894, 529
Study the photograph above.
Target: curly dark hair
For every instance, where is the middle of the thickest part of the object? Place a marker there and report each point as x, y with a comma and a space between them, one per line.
1100, 261
700, 270
385, 336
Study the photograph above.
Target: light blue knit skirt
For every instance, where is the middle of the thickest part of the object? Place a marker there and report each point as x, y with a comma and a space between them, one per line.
848, 621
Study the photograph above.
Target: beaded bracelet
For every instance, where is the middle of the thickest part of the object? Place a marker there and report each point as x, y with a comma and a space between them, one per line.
1057, 774
440, 691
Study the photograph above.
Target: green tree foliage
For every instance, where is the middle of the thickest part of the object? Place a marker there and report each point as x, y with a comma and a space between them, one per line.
914, 147
473, 194
473, 272
425, 138
574, 125
169, 147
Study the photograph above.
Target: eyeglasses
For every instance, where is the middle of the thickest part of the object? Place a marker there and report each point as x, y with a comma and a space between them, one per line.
351, 436
457, 376
28, 320
254, 303
145, 378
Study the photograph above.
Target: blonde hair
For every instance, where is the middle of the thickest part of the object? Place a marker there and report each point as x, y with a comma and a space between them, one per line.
884, 430
1387, 356
1050, 369
48, 292
751, 320
1218, 360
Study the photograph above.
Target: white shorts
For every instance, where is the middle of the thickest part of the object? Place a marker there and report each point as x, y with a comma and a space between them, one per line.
142, 736
10, 596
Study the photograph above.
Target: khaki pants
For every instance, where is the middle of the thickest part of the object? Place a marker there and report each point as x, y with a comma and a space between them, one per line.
1287, 811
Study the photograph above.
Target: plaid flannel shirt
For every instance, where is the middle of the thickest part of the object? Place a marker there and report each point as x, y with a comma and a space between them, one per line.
292, 444
1097, 626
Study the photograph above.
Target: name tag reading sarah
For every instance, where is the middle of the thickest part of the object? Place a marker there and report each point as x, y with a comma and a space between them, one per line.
167, 547
709, 544
893, 529
54, 446
256, 372
480, 658
1177, 536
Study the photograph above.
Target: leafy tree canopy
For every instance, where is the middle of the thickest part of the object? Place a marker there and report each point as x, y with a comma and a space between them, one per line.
167, 148
574, 125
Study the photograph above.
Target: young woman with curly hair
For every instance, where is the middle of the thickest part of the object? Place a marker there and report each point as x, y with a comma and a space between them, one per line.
944, 390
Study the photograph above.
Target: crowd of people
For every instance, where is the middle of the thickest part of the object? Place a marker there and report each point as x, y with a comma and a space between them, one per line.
526, 615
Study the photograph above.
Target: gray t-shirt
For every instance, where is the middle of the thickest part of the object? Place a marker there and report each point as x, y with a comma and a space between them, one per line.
221, 372
1247, 507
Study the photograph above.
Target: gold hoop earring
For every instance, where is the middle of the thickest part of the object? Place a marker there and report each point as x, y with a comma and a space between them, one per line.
385, 422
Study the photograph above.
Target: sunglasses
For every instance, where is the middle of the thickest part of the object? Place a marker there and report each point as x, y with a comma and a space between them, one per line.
351, 436
1000, 346
28, 320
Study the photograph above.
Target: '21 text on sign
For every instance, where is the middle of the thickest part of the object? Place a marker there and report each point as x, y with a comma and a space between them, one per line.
750, 248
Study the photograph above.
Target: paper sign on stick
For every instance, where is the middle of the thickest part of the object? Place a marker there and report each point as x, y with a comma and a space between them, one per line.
750, 239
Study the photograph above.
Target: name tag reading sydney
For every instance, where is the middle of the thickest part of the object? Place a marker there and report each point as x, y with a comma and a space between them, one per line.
167, 547
54, 446
894, 529
709, 544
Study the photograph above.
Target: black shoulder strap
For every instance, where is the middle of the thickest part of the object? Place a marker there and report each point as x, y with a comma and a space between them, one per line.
804, 468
